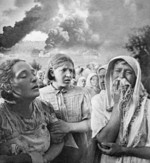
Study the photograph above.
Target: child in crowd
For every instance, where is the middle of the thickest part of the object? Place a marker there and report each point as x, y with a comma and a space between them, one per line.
72, 106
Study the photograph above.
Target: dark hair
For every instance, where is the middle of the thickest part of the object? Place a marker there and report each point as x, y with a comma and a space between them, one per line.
6, 74
56, 61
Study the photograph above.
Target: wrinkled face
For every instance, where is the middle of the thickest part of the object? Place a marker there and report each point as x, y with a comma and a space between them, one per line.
24, 82
123, 70
63, 75
102, 74
94, 81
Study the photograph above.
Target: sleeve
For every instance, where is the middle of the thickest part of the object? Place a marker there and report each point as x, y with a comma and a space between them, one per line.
99, 118
1, 135
86, 106
148, 124
49, 112
36, 157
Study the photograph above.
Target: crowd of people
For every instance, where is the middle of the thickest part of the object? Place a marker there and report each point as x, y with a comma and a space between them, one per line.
68, 114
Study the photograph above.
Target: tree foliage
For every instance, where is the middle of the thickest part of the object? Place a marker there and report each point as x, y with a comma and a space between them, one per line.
139, 41
139, 45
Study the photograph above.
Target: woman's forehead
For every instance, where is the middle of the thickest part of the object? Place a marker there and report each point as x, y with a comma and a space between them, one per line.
65, 64
21, 66
122, 63
94, 77
102, 71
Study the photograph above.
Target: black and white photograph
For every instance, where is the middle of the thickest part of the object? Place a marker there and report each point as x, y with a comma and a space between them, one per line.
74, 81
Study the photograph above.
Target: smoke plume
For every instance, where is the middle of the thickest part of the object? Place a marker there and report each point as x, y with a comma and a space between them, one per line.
34, 19
89, 23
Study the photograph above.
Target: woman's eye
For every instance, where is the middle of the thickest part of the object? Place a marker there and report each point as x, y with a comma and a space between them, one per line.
71, 71
64, 70
117, 70
129, 72
23, 76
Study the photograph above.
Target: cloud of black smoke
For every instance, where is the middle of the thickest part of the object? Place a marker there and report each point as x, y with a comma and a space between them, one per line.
33, 20
73, 31
107, 22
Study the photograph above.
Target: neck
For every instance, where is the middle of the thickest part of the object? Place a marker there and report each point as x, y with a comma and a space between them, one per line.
56, 86
23, 108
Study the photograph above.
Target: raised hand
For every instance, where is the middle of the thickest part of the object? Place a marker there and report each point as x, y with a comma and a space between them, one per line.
116, 91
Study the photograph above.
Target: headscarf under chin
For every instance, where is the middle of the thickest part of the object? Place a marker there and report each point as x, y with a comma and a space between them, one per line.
134, 121
104, 67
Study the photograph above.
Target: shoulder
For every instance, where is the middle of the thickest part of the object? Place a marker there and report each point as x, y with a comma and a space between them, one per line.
2, 112
96, 97
75, 90
99, 98
44, 105
45, 90
2, 106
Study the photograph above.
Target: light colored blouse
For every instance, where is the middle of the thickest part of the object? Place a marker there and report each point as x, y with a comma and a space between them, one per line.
71, 105
99, 119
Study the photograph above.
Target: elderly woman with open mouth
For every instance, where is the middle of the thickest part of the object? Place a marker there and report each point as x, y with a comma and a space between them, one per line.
24, 119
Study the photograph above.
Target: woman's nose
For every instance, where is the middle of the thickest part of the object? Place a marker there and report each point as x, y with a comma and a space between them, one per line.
121, 74
68, 73
103, 78
34, 78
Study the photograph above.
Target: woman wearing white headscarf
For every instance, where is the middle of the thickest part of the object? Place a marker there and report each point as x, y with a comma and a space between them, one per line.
101, 71
92, 85
81, 81
121, 118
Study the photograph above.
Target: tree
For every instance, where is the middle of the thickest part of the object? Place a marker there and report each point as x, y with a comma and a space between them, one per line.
139, 45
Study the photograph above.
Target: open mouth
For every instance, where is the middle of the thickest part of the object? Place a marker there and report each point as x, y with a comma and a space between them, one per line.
67, 81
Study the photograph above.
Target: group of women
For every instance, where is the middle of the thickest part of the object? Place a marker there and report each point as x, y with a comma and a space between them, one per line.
51, 124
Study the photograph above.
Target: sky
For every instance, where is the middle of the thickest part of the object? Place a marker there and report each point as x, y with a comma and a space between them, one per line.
13, 10
110, 20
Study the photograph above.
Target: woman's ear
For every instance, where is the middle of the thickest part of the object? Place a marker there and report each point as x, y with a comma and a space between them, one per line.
51, 72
